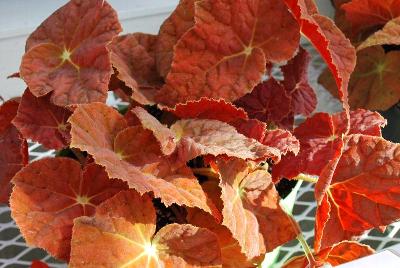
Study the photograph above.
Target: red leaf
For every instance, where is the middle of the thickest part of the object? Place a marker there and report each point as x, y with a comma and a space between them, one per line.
338, 254
209, 109
268, 102
203, 137
50, 193
121, 234
303, 98
130, 154
320, 139
237, 117
232, 255
134, 58
283, 140
43, 122
389, 35
38, 264
251, 208
374, 83
163, 134
225, 54
334, 47
362, 191
173, 28
363, 14
67, 53
13, 148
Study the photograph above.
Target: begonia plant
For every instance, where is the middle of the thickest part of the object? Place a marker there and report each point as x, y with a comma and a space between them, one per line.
186, 175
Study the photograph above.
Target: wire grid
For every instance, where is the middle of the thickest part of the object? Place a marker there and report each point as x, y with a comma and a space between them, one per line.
14, 253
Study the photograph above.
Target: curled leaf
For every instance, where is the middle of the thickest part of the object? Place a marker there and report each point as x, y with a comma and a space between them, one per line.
225, 54
133, 155
364, 14
40, 120
338, 254
374, 84
50, 193
389, 35
119, 236
202, 137
251, 208
132, 55
209, 109
71, 59
331, 43
231, 253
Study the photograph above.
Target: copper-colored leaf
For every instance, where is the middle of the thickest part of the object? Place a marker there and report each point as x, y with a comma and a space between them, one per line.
133, 57
319, 142
50, 193
163, 134
268, 102
202, 137
320, 139
231, 254
121, 235
225, 54
42, 121
283, 140
338, 254
67, 53
13, 148
362, 192
374, 84
173, 28
251, 128
132, 155
389, 35
251, 208
332, 44
209, 109
303, 98
364, 14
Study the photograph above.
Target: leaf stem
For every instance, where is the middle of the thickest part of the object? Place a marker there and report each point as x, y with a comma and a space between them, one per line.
303, 177
208, 172
307, 250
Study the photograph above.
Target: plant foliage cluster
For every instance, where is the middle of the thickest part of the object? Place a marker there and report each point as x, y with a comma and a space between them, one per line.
186, 175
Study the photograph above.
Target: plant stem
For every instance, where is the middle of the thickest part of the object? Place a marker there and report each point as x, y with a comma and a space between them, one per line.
208, 172
307, 250
303, 177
